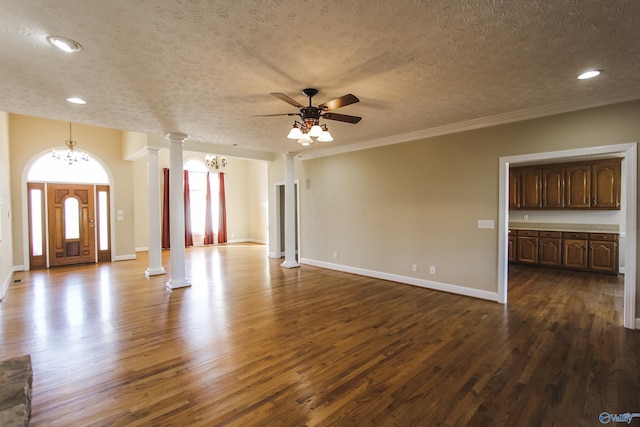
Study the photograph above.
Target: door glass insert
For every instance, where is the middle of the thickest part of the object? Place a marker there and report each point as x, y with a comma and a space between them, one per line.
71, 218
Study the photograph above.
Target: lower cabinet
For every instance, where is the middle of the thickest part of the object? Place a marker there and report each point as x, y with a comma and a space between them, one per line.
550, 248
596, 252
527, 247
603, 252
574, 249
511, 248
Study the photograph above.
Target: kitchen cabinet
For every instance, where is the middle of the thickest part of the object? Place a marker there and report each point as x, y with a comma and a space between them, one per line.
578, 185
603, 252
553, 187
550, 248
574, 250
514, 188
527, 247
511, 247
596, 252
530, 188
605, 185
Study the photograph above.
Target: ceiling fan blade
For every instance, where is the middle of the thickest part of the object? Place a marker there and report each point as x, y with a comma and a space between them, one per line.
339, 102
341, 117
288, 100
272, 115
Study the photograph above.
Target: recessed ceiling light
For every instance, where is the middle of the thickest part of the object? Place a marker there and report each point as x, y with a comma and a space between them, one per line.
589, 74
65, 44
75, 100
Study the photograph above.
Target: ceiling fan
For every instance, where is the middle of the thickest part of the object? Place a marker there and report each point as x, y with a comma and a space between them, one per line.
309, 126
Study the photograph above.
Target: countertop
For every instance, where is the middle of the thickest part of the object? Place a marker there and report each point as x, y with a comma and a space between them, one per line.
553, 226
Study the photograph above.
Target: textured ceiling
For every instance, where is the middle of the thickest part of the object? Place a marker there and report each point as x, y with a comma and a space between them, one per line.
205, 68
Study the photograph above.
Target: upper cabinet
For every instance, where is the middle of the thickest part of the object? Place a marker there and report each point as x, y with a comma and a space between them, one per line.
553, 184
605, 185
583, 185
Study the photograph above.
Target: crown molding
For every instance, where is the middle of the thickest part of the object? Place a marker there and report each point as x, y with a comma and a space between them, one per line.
483, 122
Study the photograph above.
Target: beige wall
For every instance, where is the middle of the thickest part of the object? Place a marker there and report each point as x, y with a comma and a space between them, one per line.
387, 208
6, 245
31, 136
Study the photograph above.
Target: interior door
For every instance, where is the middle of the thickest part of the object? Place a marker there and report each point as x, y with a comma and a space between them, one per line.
71, 224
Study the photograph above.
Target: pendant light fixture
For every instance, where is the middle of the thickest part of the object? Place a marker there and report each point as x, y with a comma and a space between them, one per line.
71, 156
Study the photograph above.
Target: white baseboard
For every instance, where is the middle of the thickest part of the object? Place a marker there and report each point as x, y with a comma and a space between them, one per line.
124, 257
9, 280
5, 286
445, 287
247, 240
143, 249
637, 324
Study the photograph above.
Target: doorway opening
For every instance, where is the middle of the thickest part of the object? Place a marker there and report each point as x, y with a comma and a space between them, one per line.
629, 154
280, 207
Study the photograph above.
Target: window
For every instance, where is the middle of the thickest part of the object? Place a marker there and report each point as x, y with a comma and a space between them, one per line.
49, 169
36, 221
197, 195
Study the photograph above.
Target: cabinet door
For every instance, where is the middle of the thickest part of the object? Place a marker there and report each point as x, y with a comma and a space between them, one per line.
578, 186
527, 251
511, 248
574, 254
530, 188
514, 193
550, 252
605, 184
603, 256
553, 187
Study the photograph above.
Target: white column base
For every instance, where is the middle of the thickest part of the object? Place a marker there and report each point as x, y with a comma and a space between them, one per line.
290, 264
154, 271
178, 284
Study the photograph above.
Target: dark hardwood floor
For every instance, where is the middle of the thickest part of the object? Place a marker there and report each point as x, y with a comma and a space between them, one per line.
253, 344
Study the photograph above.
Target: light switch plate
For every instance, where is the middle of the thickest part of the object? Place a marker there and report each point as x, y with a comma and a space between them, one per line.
485, 223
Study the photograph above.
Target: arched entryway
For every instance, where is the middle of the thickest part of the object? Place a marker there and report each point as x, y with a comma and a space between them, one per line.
68, 205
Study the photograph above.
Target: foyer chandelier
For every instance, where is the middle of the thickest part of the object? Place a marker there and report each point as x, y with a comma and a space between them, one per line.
71, 156
215, 162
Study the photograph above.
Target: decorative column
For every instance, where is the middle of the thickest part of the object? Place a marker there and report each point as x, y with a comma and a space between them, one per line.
176, 211
289, 214
153, 190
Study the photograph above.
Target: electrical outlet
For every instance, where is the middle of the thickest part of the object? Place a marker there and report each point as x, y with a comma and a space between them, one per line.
335, 255
414, 267
432, 269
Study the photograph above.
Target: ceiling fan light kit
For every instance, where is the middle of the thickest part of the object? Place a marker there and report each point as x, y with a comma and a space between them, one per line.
309, 125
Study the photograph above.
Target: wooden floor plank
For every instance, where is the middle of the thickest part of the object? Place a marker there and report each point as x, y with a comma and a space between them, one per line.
251, 343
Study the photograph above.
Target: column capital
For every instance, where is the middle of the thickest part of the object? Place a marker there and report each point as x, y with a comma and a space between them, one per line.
289, 155
176, 137
153, 150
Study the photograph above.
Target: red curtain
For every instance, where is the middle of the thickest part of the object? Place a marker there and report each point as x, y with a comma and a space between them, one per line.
209, 237
222, 212
188, 236
166, 232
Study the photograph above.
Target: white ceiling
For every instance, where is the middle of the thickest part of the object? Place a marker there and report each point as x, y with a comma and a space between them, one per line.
205, 68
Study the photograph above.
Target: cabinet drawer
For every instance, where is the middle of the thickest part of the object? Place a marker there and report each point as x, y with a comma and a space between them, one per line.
528, 233
603, 237
554, 234
572, 235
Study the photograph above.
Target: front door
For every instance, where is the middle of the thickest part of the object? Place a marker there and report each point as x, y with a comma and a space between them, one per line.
71, 224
